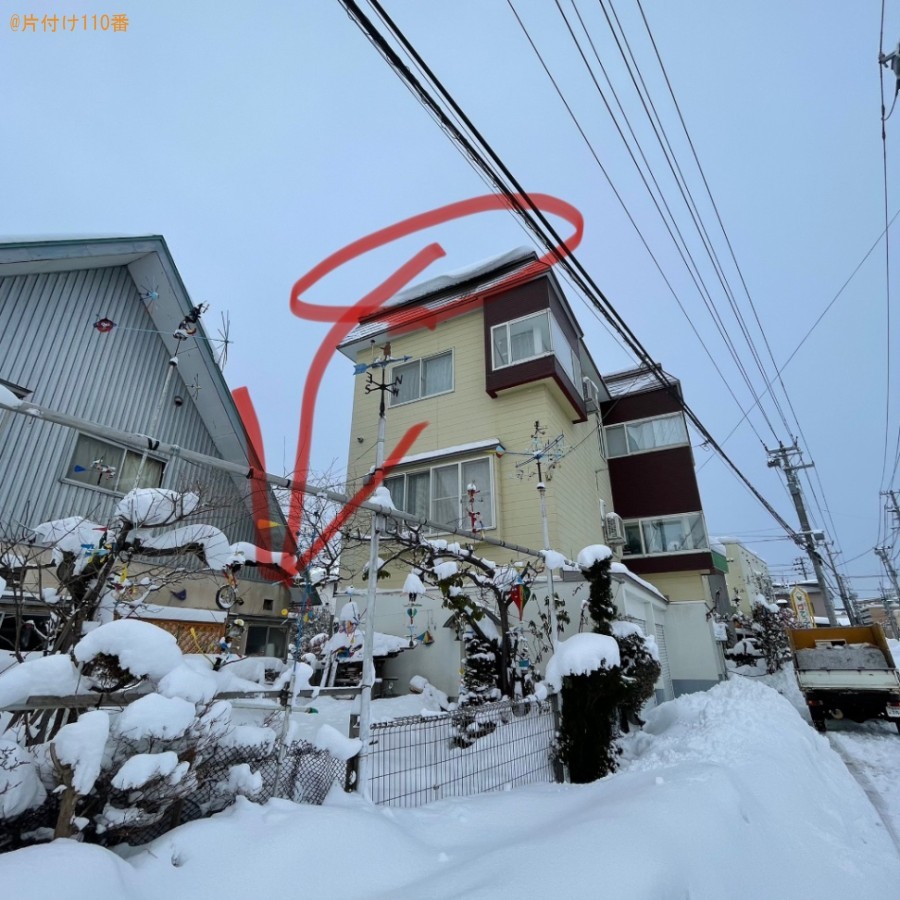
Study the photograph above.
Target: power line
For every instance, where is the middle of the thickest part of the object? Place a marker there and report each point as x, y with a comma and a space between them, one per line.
532, 214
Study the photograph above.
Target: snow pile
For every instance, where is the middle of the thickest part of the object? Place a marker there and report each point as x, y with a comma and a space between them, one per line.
726, 794
593, 554
152, 507
382, 496
72, 535
51, 675
193, 680
339, 746
81, 745
155, 716
760, 600
140, 647
144, 767
581, 654
553, 559
217, 552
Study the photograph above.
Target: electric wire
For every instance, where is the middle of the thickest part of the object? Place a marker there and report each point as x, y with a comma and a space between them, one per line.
535, 218
671, 223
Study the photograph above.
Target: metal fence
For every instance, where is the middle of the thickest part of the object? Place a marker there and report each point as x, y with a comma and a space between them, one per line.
420, 759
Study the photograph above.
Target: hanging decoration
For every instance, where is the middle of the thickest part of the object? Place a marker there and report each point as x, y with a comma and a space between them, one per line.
104, 325
149, 295
189, 324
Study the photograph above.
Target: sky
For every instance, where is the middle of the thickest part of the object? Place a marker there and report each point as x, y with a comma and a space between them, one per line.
259, 140
723, 793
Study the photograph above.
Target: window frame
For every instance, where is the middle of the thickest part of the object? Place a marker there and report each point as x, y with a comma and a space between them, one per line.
685, 517
633, 422
443, 464
506, 325
420, 362
117, 490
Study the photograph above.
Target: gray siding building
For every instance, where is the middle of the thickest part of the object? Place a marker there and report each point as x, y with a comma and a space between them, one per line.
87, 328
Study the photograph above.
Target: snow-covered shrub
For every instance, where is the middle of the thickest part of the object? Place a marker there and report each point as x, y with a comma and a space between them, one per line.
640, 670
767, 636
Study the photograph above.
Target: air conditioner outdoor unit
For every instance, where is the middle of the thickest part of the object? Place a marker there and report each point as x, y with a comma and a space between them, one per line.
614, 528
591, 394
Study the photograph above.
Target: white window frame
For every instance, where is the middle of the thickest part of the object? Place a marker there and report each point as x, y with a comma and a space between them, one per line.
463, 519
110, 487
625, 425
639, 524
421, 363
506, 325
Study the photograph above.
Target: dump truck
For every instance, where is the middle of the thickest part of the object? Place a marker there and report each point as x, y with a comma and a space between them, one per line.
846, 673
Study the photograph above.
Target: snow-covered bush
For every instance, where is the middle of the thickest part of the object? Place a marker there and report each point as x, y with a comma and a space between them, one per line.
766, 636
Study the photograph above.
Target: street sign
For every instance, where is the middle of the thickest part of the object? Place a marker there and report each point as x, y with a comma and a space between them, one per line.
803, 608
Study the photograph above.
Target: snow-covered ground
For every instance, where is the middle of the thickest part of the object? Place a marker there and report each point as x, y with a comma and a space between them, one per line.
724, 794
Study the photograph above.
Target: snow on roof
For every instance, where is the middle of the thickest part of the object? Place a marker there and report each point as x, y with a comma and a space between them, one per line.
406, 306
179, 614
617, 568
471, 447
633, 381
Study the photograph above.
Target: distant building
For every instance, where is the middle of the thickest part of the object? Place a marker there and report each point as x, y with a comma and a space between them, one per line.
747, 575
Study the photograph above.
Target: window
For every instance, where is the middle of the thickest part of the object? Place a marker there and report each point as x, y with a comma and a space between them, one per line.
440, 493
264, 640
648, 434
522, 339
101, 464
268, 604
666, 534
423, 378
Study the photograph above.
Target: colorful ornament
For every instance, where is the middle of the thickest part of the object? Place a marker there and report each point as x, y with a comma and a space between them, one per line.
104, 325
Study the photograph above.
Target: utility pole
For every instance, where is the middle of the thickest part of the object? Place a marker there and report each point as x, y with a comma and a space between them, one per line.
553, 451
368, 665
846, 599
884, 555
800, 566
782, 458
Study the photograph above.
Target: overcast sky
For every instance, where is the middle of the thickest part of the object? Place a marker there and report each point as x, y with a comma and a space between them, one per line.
259, 138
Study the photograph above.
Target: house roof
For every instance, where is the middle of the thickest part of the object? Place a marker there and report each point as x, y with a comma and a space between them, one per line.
450, 291
636, 380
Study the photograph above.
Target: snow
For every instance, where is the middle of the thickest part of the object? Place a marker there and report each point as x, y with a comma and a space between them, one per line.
724, 794
194, 684
81, 745
8, 398
20, 785
581, 654
617, 568
593, 554
446, 569
144, 767
179, 614
382, 496
242, 780
150, 507
141, 648
70, 535
553, 559
339, 746
455, 450
51, 675
217, 551
413, 584
155, 716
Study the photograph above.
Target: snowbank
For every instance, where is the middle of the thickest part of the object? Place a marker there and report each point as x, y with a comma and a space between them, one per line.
726, 794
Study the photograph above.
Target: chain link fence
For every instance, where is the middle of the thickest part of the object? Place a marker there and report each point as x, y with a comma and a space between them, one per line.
496, 746
304, 774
